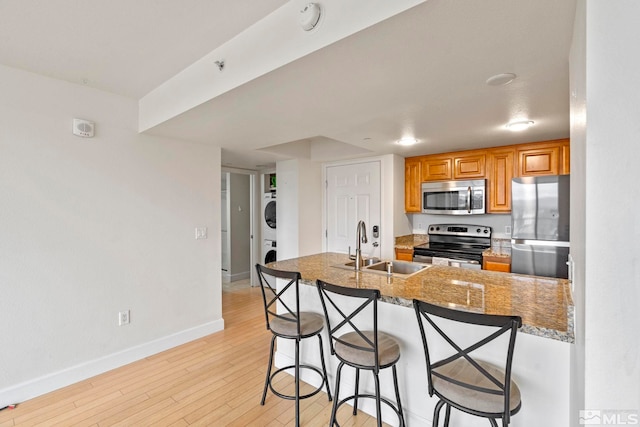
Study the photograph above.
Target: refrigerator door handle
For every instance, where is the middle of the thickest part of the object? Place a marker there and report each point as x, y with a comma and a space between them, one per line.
468, 199
540, 243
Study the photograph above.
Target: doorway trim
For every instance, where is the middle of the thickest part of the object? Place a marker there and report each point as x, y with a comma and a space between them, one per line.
253, 213
386, 235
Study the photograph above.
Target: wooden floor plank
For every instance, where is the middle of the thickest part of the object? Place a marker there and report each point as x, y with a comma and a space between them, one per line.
214, 381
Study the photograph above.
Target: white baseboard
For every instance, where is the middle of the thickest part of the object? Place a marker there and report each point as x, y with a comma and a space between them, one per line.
228, 278
50, 382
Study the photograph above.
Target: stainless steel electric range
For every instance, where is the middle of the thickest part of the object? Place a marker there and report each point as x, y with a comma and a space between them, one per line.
459, 245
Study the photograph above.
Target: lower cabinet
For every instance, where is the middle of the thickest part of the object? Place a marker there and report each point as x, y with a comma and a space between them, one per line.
404, 254
496, 263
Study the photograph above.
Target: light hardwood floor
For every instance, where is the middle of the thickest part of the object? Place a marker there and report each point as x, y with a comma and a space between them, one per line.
214, 381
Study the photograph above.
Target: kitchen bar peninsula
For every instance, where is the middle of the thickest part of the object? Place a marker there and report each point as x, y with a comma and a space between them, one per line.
541, 361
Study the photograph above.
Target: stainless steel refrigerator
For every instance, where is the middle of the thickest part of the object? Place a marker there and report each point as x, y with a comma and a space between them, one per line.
540, 225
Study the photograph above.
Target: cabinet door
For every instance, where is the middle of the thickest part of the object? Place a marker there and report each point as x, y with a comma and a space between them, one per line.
539, 161
435, 168
404, 254
469, 167
412, 191
566, 161
500, 173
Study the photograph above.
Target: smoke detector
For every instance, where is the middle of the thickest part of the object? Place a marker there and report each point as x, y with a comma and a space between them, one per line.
309, 16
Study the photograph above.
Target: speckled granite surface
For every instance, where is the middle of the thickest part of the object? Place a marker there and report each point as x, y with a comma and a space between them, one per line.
544, 304
490, 253
411, 240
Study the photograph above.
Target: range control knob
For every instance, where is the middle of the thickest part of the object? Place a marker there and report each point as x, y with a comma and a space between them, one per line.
486, 231
478, 230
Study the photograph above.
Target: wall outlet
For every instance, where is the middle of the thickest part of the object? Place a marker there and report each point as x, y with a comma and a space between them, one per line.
124, 318
201, 233
507, 230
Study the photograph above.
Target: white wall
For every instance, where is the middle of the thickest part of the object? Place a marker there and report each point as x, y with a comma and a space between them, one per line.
299, 208
612, 272
577, 67
91, 227
605, 231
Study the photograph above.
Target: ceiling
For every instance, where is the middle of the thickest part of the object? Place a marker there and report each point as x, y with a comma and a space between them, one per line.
420, 73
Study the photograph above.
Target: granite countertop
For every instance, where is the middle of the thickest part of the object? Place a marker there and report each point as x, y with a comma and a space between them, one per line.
411, 240
490, 253
544, 304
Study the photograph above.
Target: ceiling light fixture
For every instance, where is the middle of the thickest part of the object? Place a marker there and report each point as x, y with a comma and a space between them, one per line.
309, 16
519, 125
407, 141
501, 79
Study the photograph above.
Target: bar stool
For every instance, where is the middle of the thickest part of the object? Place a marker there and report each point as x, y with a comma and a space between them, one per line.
292, 324
461, 381
361, 349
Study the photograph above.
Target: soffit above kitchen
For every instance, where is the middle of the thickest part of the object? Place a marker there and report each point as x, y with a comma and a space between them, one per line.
420, 72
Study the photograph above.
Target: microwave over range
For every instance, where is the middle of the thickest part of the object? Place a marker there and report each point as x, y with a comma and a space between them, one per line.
454, 197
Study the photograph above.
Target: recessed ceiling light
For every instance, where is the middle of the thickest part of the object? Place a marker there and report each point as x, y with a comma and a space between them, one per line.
407, 141
501, 79
520, 125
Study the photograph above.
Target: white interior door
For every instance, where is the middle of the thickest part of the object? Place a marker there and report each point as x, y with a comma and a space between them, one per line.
353, 194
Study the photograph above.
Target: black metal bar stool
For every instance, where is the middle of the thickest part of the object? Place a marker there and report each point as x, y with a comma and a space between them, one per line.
462, 381
361, 349
292, 324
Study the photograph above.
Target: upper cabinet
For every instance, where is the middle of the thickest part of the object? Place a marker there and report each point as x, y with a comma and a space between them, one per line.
470, 166
501, 168
436, 168
412, 180
497, 165
543, 158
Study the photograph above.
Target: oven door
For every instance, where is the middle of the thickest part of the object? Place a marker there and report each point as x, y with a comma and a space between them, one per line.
454, 197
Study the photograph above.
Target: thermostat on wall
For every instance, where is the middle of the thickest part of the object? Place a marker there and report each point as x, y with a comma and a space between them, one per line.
83, 128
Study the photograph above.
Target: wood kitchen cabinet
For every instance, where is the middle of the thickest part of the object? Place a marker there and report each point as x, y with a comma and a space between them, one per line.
540, 160
471, 166
404, 254
412, 181
566, 161
497, 165
501, 168
436, 168
496, 264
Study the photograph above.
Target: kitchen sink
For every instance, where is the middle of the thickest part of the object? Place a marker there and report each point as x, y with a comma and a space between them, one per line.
401, 269
397, 267
365, 262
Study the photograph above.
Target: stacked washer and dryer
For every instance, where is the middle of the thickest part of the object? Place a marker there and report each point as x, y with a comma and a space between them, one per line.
269, 219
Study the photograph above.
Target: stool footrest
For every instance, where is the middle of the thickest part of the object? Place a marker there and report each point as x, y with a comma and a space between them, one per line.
293, 397
384, 400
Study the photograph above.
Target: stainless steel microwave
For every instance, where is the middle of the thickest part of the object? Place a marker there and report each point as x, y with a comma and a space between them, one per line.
454, 197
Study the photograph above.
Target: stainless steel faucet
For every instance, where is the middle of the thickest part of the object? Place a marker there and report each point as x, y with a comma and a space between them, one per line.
361, 237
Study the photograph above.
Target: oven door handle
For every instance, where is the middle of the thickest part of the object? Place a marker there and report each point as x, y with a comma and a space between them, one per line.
468, 199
